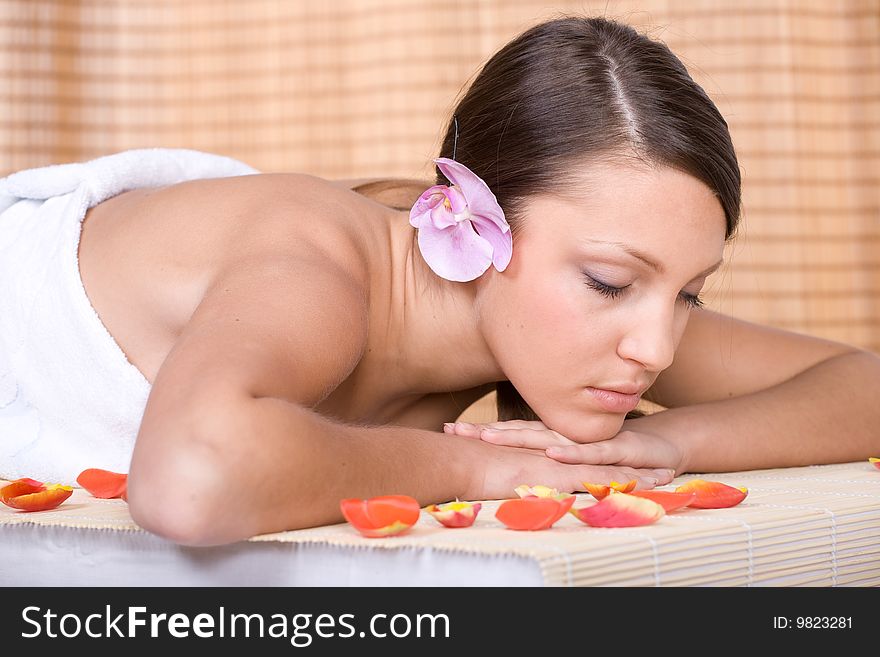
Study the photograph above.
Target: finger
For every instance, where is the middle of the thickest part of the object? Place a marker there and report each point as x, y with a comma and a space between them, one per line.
649, 477
516, 424
646, 478
665, 475
473, 429
462, 429
529, 438
601, 453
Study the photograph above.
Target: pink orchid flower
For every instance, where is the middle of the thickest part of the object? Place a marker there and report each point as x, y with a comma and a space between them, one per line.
462, 229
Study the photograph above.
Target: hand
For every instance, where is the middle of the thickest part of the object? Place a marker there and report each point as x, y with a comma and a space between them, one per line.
501, 468
498, 470
644, 442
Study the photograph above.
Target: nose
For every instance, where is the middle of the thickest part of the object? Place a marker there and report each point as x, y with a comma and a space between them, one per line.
650, 339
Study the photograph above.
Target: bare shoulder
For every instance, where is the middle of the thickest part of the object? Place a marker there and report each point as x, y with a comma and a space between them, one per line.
721, 356
264, 329
263, 323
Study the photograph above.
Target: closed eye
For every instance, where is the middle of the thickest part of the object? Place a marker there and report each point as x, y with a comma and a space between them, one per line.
692, 301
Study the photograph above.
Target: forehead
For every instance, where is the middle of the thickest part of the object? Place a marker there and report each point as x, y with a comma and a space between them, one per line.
630, 204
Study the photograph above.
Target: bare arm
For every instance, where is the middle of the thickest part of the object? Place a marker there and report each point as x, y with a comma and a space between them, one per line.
826, 414
264, 465
744, 395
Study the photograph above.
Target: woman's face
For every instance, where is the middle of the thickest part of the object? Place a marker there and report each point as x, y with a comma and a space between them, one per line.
546, 319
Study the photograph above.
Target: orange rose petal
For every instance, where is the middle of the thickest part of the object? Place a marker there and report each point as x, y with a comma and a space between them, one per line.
103, 484
386, 509
19, 487
875, 462
385, 515
538, 491
50, 497
669, 500
532, 513
712, 494
395, 528
624, 488
455, 514
621, 510
565, 505
599, 491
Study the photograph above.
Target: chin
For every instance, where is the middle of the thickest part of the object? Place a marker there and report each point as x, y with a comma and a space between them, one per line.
586, 427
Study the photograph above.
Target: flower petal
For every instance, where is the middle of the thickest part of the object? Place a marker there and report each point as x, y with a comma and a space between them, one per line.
669, 500
624, 488
24, 486
429, 199
480, 198
455, 514
875, 462
486, 213
501, 241
540, 490
456, 253
103, 484
599, 491
532, 513
381, 516
620, 510
457, 201
712, 494
20, 494
565, 505
442, 216
395, 528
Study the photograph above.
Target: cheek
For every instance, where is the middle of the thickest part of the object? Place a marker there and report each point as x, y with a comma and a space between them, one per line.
556, 327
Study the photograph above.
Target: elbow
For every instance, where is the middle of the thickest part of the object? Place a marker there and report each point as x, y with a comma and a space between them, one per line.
180, 498
179, 526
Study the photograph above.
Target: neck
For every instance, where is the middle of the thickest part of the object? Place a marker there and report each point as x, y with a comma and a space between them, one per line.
432, 340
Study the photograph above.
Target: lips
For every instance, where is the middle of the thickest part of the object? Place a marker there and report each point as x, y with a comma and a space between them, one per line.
613, 401
625, 389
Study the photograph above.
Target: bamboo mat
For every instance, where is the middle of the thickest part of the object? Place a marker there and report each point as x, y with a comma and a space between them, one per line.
809, 526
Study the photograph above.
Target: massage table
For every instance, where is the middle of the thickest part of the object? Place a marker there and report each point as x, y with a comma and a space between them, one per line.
805, 526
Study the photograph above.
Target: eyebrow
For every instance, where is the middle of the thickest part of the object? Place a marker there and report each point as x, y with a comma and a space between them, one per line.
656, 266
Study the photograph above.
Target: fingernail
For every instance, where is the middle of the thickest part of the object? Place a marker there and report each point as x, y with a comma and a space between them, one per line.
465, 425
448, 426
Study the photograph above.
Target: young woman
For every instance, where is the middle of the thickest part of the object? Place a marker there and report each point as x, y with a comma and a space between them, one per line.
304, 342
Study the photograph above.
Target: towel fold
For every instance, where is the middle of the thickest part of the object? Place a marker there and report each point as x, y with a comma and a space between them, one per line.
69, 398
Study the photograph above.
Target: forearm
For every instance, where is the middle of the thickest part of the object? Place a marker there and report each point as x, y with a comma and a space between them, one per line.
327, 460
286, 467
826, 414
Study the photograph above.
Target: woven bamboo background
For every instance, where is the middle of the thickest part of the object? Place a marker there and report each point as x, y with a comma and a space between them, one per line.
362, 88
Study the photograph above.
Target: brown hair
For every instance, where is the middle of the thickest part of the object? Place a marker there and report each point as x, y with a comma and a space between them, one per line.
576, 89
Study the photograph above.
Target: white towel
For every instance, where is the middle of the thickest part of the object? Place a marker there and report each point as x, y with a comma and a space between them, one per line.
69, 398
